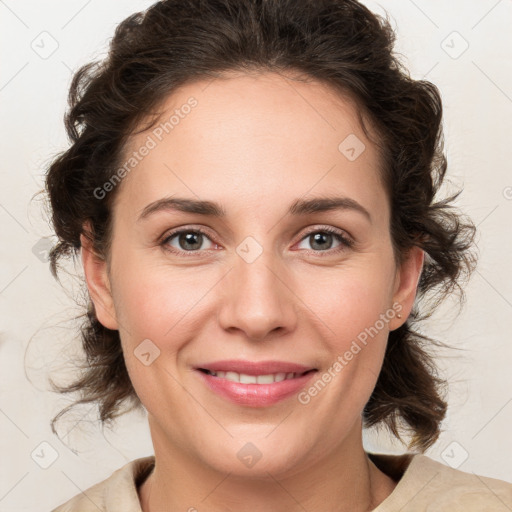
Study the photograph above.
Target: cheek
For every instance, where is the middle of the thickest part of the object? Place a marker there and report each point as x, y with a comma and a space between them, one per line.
348, 300
155, 308
351, 306
155, 301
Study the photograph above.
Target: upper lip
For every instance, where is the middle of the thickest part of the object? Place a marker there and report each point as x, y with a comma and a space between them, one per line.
255, 368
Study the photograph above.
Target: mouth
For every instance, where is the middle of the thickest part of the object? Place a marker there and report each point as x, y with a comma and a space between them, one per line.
244, 378
255, 384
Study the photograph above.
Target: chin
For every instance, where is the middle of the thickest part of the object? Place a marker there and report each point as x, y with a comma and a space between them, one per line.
257, 458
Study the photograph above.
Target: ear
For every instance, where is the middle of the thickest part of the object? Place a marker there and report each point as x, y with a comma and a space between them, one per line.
98, 282
406, 283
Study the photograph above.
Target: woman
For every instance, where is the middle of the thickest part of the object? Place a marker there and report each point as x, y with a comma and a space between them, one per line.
214, 152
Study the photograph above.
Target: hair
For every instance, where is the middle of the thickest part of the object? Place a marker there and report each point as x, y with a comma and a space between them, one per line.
336, 42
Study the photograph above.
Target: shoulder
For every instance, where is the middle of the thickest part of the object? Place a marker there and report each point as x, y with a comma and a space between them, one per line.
430, 486
117, 492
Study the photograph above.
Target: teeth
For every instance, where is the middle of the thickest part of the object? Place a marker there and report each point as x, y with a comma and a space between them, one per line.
253, 379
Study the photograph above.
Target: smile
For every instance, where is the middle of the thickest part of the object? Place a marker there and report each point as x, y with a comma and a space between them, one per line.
244, 378
254, 390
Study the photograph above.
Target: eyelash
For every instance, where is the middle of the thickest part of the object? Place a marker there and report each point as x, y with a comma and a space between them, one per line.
345, 243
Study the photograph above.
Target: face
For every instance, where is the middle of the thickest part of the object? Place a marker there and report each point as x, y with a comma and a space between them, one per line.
268, 280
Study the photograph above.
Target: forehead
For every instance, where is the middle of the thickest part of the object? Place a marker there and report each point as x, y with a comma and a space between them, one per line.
244, 135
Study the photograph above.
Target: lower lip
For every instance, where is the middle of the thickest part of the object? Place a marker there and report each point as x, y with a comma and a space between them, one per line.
255, 395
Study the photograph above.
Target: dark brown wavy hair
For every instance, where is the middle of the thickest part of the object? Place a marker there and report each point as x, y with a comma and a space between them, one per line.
338, 42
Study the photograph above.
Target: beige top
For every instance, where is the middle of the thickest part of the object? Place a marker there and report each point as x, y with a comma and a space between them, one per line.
424, 485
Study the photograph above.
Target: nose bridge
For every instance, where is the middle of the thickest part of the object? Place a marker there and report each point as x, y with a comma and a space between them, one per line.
256, 300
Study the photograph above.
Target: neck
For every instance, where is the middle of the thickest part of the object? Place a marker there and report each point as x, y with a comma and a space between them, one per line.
343, 480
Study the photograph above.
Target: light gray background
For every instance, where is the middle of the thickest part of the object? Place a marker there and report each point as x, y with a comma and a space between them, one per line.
476, 85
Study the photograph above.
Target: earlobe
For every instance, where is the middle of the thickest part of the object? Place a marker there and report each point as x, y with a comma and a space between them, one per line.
406, 283
98, 284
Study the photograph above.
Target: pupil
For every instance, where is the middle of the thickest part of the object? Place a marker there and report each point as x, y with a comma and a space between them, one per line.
188, 238
319, 237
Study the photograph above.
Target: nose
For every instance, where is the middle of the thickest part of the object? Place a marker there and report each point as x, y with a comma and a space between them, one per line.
257, 299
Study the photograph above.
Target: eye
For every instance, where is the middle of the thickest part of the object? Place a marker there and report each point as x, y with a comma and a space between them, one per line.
186, 241
321, 240
189, 241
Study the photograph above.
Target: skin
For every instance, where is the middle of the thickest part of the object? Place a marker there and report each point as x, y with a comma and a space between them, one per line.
254, 144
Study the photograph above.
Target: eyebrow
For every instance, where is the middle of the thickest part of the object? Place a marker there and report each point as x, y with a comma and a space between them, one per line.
212, 209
